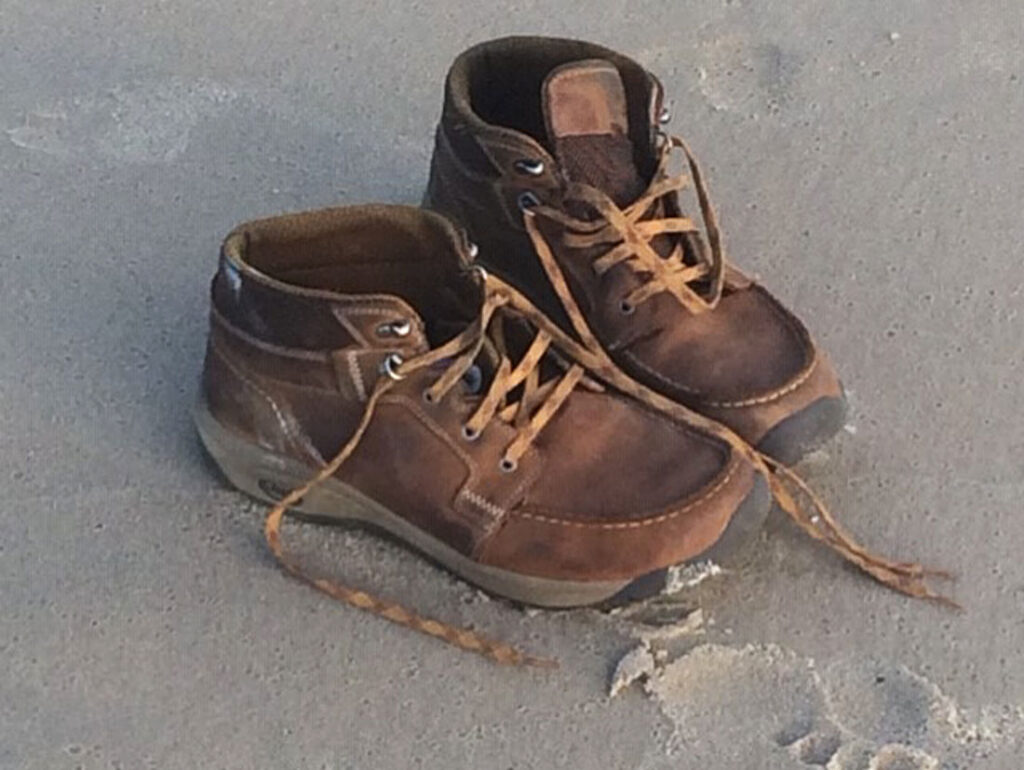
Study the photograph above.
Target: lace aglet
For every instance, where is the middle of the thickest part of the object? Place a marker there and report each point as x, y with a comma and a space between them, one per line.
536, 662
947, 602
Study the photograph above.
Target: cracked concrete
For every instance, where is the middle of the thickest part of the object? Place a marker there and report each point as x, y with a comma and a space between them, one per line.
866, 162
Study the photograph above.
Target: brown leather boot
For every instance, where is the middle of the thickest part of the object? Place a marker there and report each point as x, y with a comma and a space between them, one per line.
570, 132
356, 349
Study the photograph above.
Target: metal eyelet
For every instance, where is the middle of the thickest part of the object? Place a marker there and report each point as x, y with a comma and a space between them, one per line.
390, 366
473, 379
529, 167
469, 434
527, 200
507, 466
626, 307
473, 250
399, 328
428, 397
665, 116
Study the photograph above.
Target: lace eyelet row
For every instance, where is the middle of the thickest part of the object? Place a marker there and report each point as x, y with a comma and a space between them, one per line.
528, 167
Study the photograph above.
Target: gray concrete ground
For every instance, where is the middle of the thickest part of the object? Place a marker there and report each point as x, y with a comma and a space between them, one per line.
867, 162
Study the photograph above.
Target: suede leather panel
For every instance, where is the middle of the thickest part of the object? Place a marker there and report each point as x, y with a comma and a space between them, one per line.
408, 468
746, 347
258, 408
415, 460
292, 319
570, 549
756, 419
609, 459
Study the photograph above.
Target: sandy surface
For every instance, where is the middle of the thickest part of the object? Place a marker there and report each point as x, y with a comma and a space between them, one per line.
867, 162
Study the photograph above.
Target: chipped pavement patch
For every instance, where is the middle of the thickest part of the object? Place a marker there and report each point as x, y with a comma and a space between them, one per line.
635, 665
689, 576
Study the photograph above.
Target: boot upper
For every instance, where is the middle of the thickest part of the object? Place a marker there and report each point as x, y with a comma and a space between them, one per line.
527, 119
311, 311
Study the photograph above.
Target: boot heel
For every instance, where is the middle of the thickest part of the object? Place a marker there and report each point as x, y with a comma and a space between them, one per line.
251, 469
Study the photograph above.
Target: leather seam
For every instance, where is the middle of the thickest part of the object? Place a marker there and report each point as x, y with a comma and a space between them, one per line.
495, 511
633, 524
356, 374
372, 308
474, 476
268, 347
774, 395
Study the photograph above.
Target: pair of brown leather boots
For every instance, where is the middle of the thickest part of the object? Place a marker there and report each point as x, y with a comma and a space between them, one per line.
551, 381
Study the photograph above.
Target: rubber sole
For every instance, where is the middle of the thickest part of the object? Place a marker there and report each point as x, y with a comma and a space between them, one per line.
809, 429
268, 476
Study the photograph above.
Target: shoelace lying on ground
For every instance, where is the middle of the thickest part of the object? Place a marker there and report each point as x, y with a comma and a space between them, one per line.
630, 233
457, 355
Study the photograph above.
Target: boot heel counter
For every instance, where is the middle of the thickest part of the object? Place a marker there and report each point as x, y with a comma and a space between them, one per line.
237, 400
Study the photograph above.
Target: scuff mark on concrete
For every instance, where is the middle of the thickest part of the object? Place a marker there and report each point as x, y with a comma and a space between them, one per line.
740, 74
144, 122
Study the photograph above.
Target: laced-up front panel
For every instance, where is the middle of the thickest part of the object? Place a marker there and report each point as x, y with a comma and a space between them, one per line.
629, 234
528, 415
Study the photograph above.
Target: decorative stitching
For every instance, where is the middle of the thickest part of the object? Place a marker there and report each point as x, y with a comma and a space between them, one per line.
658, 375
774, 395
495, 511
356, 373
408, 403
632, 524
768, 397
268, 347
350, 327
367, 311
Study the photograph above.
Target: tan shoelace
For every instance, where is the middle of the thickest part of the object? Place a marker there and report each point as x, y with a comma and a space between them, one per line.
631, 237
630, 234
906, 577
458, 354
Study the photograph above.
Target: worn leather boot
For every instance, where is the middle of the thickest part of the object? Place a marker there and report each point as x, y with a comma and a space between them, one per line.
571, 133
357, 358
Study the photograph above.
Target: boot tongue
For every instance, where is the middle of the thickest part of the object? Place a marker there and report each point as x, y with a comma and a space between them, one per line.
588, 128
